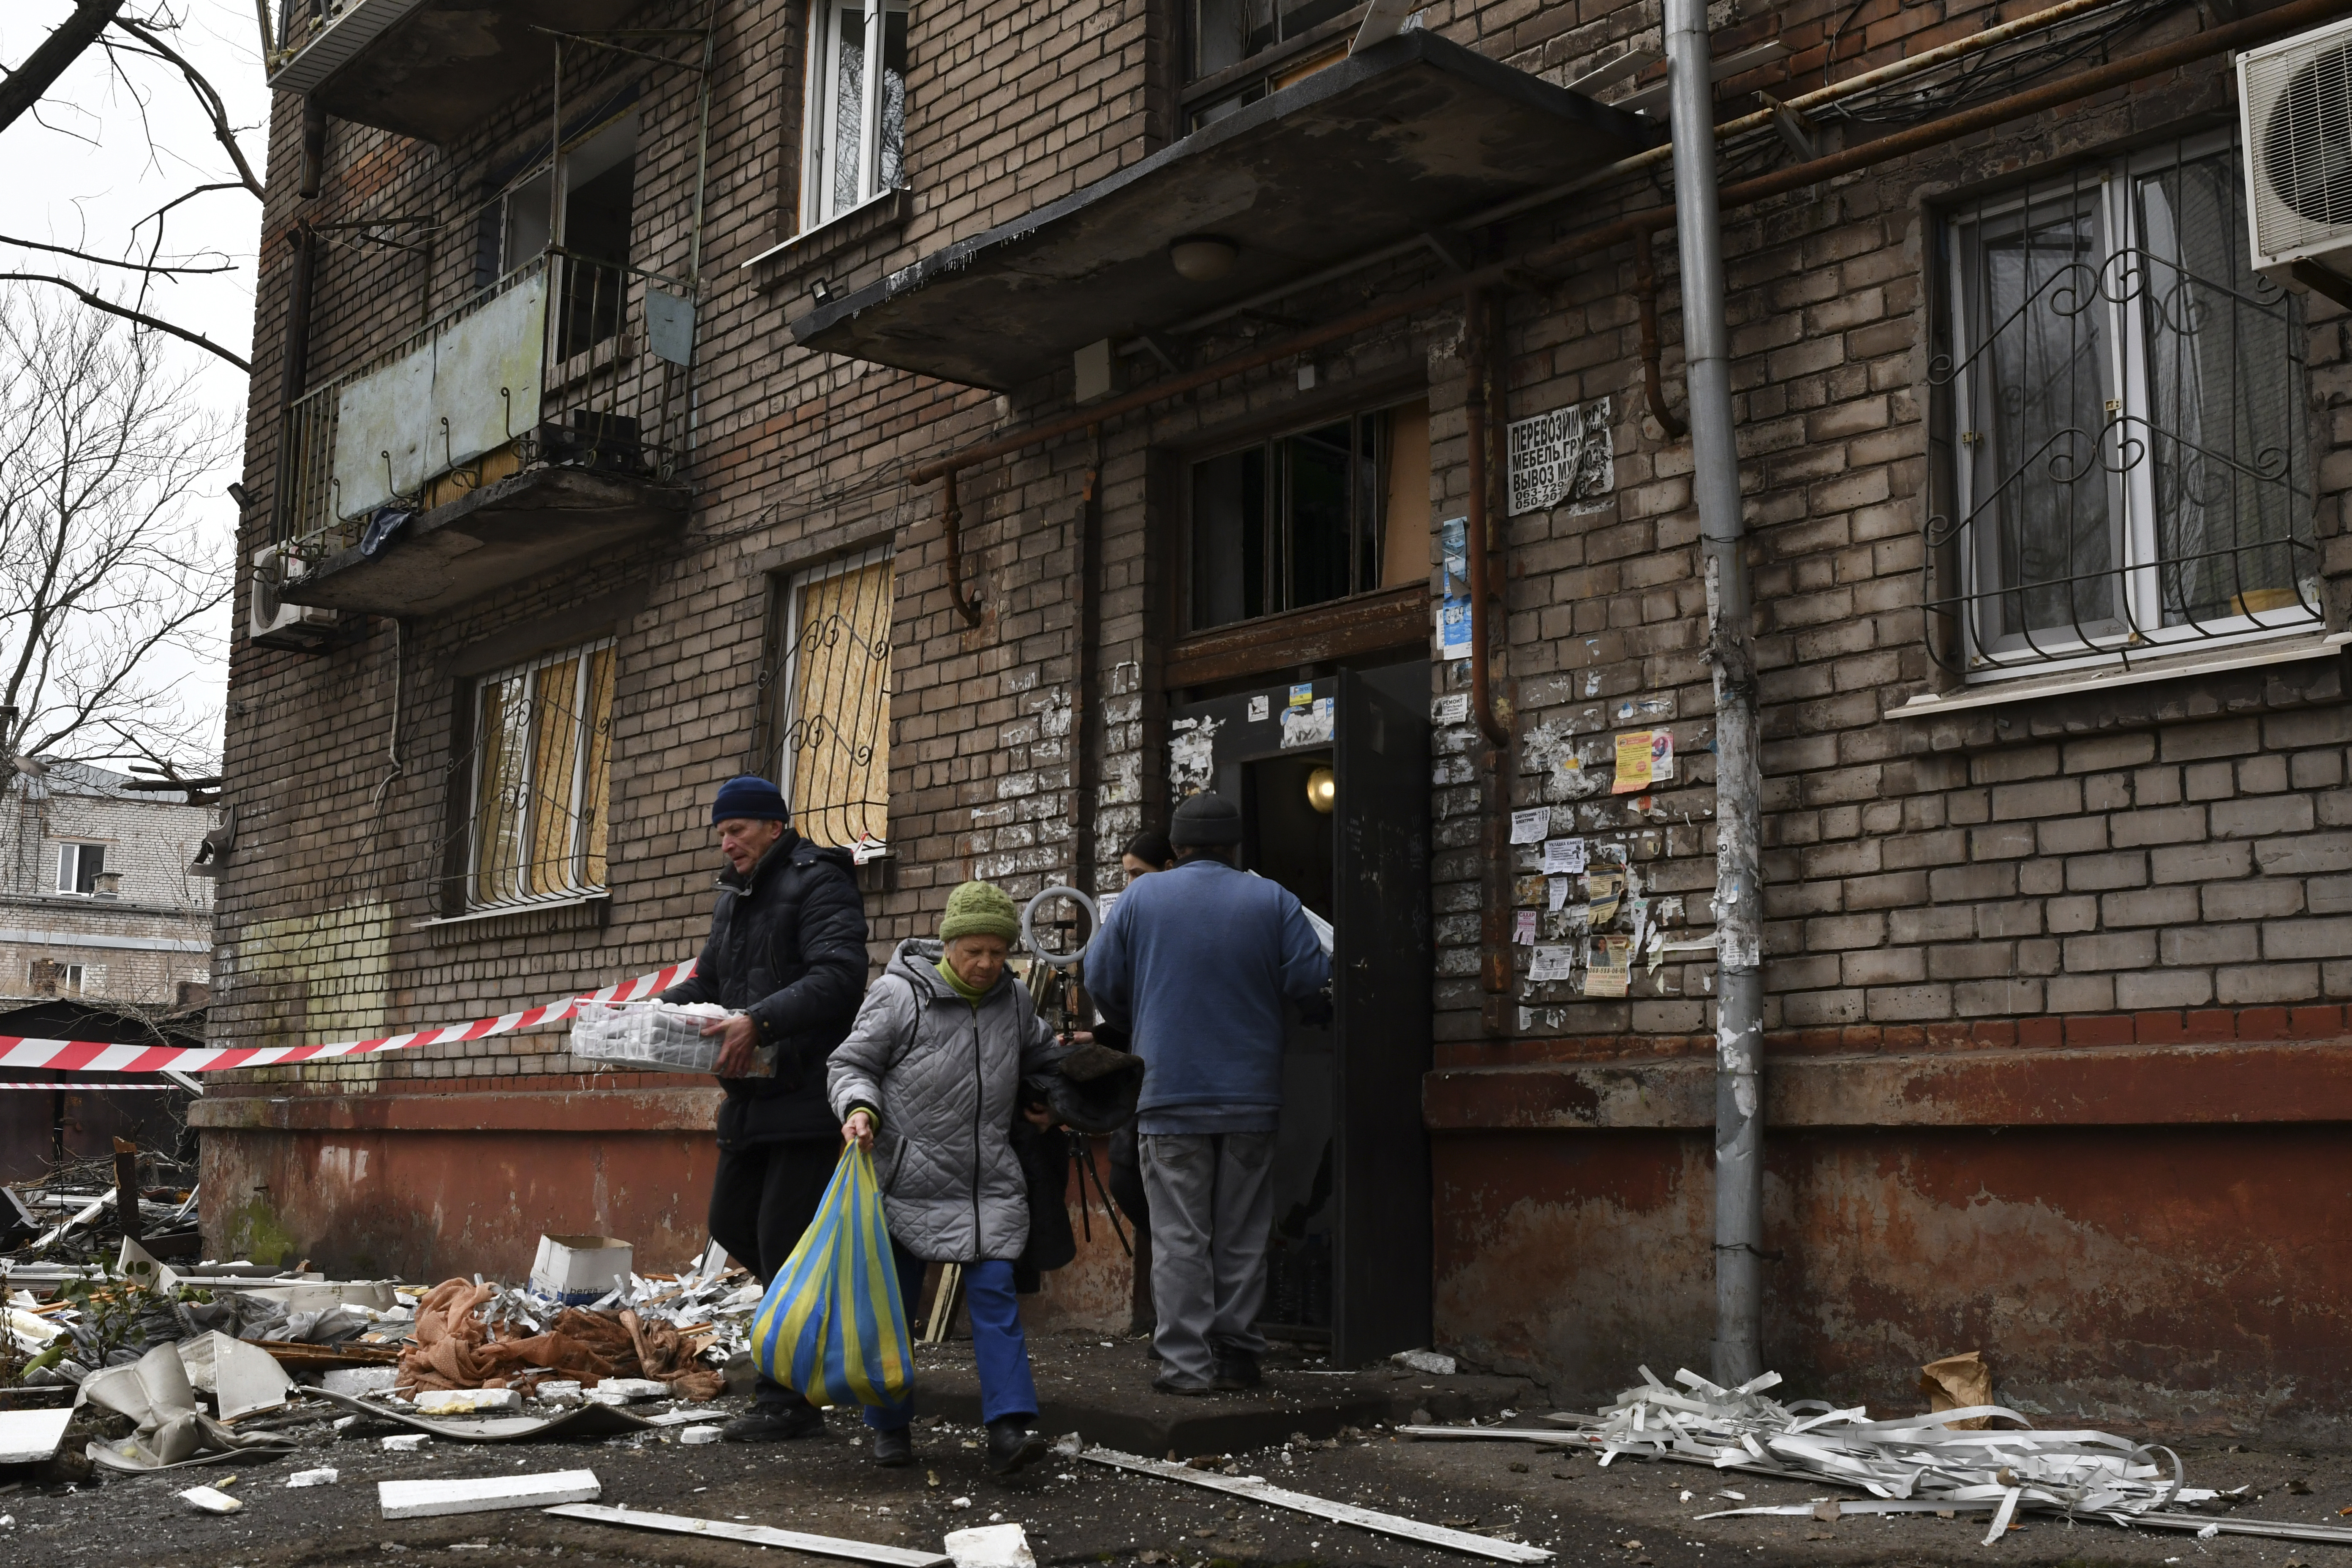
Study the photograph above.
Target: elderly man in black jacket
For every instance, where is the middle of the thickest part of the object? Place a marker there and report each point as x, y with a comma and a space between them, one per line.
787, 956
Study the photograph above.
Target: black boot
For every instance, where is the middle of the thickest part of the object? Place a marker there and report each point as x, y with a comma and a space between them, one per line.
1011, 1446
769, 1423
894, 1449
1235, 1370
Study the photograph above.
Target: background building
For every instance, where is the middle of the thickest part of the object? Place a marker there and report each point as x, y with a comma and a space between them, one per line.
1080, 409
105, 934
97, 900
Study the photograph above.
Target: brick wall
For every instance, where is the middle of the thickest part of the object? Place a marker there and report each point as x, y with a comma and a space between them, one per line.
2123, 863
342, 849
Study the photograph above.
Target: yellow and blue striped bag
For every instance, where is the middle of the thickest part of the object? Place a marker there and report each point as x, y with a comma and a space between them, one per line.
832, 1327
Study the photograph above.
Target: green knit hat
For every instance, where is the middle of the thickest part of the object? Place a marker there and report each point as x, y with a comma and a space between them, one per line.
979, 908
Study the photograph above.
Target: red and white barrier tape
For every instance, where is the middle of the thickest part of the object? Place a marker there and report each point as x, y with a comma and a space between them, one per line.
97, 1055
110, 1088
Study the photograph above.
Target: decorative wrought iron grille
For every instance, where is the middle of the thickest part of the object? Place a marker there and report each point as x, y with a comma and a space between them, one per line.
542, 776
2126, 422
835, 764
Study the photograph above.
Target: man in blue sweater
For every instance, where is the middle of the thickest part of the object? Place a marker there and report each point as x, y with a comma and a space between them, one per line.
1196, 963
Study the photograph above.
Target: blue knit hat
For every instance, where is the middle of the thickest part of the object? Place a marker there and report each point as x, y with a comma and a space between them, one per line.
751, 797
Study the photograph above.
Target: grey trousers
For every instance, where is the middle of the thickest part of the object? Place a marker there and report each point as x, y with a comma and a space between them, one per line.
1212, 1199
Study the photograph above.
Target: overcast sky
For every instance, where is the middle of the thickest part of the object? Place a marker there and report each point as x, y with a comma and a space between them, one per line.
88, 170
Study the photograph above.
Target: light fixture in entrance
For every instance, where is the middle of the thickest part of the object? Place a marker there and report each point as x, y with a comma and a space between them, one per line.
1322, 790
1202, 258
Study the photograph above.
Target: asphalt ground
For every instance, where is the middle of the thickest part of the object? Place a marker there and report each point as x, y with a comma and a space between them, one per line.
1641, 1515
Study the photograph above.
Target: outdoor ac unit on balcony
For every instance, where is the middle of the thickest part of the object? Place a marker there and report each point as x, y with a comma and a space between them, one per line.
2294, 108
304, 628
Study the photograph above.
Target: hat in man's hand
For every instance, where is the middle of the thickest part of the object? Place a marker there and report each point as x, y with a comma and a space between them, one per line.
1208, 819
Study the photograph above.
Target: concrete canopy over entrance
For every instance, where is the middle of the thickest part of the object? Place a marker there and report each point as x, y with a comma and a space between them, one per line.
1409, 136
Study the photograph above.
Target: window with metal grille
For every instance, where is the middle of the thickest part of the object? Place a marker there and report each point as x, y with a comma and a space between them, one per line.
835, 761
543, 775
2129, 466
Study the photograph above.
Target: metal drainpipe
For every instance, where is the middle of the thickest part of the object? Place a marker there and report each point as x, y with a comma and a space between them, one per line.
314, 148
1086, 622
1715, 464
294, 356
1494, 781
952, 523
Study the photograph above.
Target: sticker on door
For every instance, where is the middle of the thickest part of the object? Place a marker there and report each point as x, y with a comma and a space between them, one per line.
1308, 726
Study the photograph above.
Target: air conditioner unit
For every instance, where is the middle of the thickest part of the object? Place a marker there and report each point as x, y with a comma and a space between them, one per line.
273, 623
2294, 120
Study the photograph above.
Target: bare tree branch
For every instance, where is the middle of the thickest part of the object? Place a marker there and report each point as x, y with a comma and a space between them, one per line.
108, 578
22, 87
151, 36
206, 95
99, 302
168, 269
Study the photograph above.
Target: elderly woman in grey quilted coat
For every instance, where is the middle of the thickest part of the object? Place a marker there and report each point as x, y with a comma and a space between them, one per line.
931, 1078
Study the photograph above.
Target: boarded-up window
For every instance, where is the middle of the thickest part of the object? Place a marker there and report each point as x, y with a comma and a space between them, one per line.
835, 759
542, 776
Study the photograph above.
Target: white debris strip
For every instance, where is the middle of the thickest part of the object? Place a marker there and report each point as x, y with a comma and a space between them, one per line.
491, 1494
1911, 1464
759, 1535
1255, 1489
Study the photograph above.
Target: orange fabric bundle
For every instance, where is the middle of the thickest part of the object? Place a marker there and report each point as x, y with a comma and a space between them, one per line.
454, 1348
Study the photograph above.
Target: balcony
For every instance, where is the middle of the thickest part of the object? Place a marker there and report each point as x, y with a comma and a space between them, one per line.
428, 68
531, 428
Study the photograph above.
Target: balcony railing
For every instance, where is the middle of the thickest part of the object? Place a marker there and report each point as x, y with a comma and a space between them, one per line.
566, 361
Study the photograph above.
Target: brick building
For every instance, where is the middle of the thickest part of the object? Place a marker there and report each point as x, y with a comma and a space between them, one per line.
1083, 409
100, 900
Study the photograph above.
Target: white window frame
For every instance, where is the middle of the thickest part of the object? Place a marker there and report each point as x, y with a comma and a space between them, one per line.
69, 977
2132, 494
818, 129
576, 884
593, 152
70, 850
796, 590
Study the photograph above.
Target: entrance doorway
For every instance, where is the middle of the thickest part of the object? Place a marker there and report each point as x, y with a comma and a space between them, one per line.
1331, 777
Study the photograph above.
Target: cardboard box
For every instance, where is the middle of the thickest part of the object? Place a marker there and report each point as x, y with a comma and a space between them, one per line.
579, 1269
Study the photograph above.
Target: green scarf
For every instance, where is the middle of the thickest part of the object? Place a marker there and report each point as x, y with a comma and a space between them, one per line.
952, 978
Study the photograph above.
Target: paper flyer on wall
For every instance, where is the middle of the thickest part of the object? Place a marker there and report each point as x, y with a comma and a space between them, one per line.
1602, 889
1564, 856
1529, 827
1644, 757
1523, 929
1552, 963
1453, 603
1611, 966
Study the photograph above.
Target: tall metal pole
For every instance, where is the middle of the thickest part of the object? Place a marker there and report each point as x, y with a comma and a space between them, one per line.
1738, 898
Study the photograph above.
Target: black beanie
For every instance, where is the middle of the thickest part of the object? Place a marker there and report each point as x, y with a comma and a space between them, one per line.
1205, 819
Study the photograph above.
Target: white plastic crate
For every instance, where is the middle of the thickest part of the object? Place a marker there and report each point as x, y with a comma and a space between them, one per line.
655, 1036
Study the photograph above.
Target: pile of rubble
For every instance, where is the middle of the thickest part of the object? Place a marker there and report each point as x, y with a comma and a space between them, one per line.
72, 1216
1978, 1458
153, 1368
679, 1332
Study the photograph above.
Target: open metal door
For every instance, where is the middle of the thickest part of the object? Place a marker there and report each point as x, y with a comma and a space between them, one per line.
1381, 993
1350, 1261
